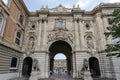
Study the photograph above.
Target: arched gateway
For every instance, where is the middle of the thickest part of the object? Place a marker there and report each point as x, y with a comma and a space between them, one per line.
61, 47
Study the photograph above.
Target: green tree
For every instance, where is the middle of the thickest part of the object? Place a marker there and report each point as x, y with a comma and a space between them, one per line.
113, 49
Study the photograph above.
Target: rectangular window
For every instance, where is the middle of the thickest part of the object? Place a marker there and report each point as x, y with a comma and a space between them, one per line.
18, 38
14, 63
1, 22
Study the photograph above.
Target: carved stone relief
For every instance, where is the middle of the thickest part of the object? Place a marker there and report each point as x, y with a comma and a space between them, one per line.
60, 35
89, 37
87, 24
90, 44
31, 43
35, 65
31, 40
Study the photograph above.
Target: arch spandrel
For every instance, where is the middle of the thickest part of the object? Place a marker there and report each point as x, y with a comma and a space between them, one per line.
60, 35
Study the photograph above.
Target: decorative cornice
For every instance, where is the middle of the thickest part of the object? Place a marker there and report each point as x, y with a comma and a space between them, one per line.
23, 6
10, 47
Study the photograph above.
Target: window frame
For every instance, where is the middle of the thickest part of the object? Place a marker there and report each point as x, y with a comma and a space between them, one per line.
20, 39
60, 24
17, 63
19, 20
2, 23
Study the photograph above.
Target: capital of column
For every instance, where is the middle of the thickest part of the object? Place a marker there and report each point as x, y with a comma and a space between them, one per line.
43, 19
77, 20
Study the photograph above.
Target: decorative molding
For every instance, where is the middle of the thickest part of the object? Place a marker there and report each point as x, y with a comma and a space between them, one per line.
60, 35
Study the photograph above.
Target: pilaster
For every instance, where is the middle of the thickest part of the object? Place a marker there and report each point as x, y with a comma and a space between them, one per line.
74, 65
39, 35
77, 41
81, 35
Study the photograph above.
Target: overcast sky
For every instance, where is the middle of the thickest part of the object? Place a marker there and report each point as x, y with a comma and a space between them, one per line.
60, 56
88, 5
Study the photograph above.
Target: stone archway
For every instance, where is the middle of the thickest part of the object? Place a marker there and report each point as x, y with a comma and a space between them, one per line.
61, 47
94, 67
27, 67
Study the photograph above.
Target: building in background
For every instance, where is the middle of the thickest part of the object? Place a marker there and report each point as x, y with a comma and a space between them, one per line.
60, 65
30, 40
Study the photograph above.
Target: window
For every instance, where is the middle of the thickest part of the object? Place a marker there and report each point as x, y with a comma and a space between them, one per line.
43, 21
14, 63
21, 19
87, 26
1, 22
5, 1
18, 38
60, 24
33, 26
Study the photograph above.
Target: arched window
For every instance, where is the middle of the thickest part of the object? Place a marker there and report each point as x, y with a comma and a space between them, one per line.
1, 22
21, 19
18, 38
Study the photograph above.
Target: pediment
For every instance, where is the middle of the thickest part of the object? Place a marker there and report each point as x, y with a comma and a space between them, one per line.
60, 8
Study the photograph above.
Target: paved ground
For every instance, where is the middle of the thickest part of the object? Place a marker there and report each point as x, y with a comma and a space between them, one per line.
60, 76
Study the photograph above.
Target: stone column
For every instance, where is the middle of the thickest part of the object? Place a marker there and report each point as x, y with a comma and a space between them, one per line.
44, 41
100, 28
74, 64
100, 32
39, 35
82, 41
104, 61
105, 24
46, 66
45, 33
77, 41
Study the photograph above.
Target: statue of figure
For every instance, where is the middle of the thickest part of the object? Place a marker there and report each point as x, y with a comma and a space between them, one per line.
31, 43
84, 68
70, 37
35, 65
85, 64
51, 37
90, 44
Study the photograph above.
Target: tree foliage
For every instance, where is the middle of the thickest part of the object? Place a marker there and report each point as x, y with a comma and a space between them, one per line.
113, 49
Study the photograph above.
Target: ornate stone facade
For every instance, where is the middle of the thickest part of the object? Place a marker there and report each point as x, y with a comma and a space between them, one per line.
82, 30
77, 33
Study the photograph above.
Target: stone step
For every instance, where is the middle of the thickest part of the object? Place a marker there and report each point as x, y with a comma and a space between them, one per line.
103, 79
19, 79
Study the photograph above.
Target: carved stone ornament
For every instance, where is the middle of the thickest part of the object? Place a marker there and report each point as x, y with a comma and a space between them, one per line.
32, 34
60, 35
35, 65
